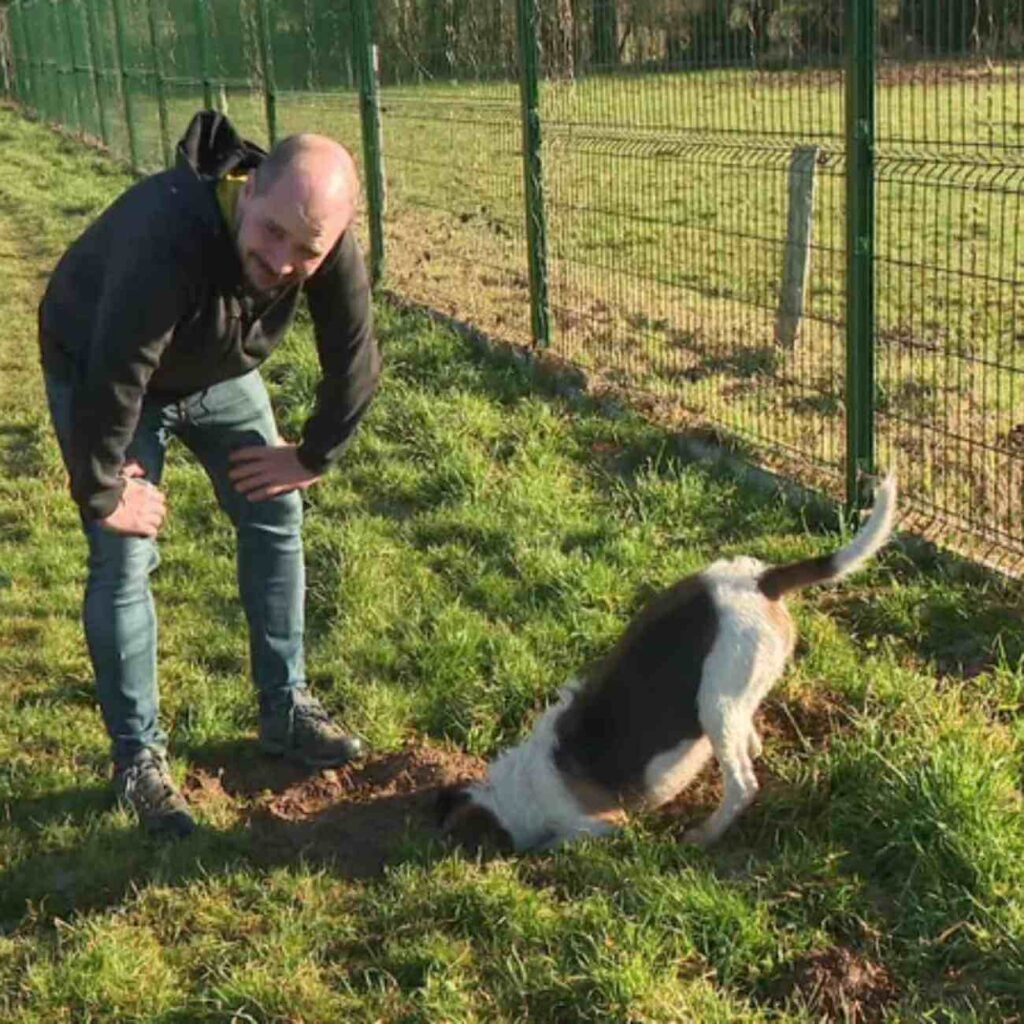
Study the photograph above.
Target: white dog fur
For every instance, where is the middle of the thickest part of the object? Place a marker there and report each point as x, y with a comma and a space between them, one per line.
682, 684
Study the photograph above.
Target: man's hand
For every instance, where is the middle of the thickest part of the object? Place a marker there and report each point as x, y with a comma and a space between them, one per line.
141, 510
265, 471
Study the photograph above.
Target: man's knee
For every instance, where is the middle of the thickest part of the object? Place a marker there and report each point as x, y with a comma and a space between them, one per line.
118, 560
282, 514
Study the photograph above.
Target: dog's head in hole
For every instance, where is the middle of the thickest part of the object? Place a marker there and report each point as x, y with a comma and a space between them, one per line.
681, 685
470, 825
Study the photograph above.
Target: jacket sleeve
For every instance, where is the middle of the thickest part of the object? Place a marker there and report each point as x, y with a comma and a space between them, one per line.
144, 296
339, 303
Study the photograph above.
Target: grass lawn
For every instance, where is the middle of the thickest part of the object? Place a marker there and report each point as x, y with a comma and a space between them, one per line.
482, 539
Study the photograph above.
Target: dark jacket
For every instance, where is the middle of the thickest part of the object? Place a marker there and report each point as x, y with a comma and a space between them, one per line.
150, 299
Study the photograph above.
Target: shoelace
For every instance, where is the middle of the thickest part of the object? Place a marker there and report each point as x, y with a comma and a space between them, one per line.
312, 711
133, 776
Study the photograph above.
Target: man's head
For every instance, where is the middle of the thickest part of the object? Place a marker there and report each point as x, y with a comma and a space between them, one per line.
293, 209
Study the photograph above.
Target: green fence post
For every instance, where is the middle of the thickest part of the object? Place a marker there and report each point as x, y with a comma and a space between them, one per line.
90, 22
34, 62
58, 68
158, 76
46, 78
133, 149
269, 86
860, 216
369, 111
31, 62
533, 181
204, 57
69, 34
25, 71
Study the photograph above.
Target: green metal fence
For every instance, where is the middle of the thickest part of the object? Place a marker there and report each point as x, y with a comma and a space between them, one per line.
792, 221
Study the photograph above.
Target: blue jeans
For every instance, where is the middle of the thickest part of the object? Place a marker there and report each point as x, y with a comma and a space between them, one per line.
119, 614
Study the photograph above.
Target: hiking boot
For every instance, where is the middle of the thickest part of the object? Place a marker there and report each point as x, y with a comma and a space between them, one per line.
144, 785
305, 733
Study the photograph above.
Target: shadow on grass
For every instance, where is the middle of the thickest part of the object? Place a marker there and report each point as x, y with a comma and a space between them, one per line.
959, 618
21, 451
353, 821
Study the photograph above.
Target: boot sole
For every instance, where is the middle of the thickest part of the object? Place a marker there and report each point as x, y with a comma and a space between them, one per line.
309, 762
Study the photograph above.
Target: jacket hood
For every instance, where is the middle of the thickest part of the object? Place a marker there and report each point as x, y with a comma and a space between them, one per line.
211, 147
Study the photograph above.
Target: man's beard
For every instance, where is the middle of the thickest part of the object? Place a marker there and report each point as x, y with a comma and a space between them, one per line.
252, 289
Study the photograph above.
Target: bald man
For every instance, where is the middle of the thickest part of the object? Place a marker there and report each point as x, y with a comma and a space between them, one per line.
153, 326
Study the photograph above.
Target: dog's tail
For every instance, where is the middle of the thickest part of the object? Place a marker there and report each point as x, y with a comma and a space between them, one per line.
781, 579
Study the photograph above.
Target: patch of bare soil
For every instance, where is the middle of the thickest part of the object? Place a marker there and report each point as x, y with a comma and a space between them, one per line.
839, 985
809, 722
930, 72
356, 818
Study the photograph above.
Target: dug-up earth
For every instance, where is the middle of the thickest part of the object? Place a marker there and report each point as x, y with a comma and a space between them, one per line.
357, 818
361, 817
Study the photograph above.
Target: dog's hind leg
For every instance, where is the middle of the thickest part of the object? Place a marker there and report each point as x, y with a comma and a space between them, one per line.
733, 747
754, 744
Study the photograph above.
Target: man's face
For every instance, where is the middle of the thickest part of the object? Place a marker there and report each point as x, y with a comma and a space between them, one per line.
284, 234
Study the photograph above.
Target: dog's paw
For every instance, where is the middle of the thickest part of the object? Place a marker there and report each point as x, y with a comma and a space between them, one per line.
754, 745
698, 836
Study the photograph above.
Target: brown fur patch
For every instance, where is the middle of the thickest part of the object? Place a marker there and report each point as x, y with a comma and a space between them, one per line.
594, 800
783, 621
781, 579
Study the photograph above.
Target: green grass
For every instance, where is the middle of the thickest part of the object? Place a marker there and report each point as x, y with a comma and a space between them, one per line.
483, 538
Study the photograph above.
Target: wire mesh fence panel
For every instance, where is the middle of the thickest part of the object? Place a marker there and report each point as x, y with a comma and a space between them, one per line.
666, 192
950, 267
139, 83
694, 161
39, 37
452, 143
234, 64
110, 79
76, 22
63, 66
20, 56
178, 30
314, 75
42, 68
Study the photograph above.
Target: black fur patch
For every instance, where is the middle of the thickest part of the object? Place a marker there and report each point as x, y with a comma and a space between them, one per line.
642, 699
448, 800
473, 827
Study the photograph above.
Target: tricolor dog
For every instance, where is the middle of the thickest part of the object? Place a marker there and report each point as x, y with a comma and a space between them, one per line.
682, 684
